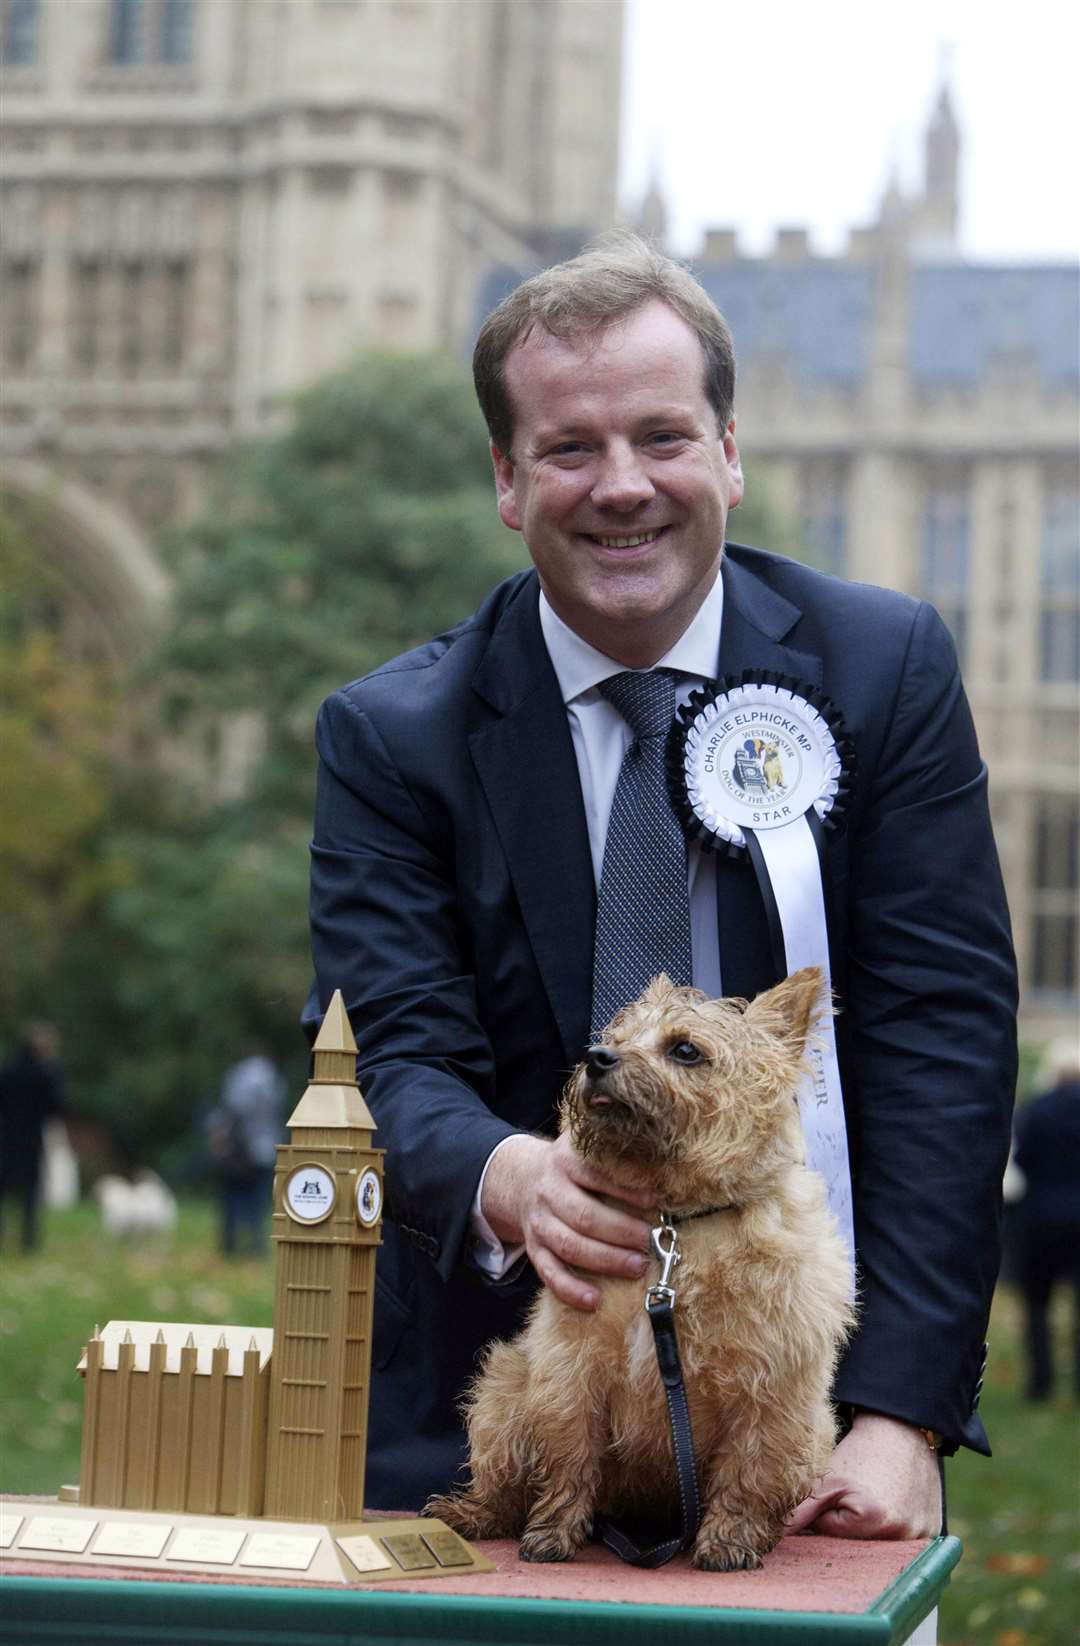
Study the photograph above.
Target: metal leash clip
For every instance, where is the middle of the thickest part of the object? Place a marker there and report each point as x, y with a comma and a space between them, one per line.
669, 1257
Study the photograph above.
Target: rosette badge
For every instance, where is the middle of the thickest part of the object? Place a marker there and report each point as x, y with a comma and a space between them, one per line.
757, 754
761, 764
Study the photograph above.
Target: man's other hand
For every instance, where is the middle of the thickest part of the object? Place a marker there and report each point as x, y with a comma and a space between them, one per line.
543, 1194
884, 1481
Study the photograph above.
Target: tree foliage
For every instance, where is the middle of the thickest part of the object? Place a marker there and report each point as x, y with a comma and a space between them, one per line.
363, 527
55, 720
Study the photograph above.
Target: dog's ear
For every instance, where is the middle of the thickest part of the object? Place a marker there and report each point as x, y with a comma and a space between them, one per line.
790, 1010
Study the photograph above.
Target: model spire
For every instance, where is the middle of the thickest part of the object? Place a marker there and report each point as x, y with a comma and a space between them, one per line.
332, 1097
335, 1047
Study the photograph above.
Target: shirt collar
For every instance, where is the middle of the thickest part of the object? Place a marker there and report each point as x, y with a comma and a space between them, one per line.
579, 667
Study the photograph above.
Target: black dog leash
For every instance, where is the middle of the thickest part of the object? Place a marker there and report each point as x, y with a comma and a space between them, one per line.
660, 1308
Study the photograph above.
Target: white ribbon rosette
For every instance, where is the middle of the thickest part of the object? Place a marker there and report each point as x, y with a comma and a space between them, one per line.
762, 765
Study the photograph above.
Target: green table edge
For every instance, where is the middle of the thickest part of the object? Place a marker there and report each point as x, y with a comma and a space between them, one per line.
916, 1592
68, 1609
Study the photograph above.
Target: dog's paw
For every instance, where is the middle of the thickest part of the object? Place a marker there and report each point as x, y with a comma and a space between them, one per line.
475, 1515
461, 1514
715, 1555
547, 1546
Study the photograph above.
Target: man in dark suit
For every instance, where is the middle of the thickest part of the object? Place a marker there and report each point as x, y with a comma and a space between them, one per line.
464, 792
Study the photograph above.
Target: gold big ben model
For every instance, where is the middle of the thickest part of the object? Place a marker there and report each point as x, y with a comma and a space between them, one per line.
198, 1442
326, 1224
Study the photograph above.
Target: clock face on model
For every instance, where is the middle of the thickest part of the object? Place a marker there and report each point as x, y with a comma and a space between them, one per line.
368, 1198
310, 1193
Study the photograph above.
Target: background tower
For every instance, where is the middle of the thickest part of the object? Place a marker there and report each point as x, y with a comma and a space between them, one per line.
326, 1222
939, 209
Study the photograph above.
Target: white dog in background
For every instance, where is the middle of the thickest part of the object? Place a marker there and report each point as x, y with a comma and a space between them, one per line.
142, 1206
60, 1168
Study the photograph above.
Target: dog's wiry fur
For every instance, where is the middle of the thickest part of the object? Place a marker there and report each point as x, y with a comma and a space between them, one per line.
569, 1420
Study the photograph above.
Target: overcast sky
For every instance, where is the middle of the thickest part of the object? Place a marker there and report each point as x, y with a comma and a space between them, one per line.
770, 112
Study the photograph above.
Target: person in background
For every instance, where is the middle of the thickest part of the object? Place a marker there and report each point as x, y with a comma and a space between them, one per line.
1048, 1154
243, 1133
31, 1093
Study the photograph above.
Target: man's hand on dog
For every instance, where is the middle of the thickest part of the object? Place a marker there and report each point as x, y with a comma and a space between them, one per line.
884, 1482
543, 1194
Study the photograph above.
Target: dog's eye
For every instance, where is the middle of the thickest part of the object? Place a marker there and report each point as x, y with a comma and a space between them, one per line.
684, 1051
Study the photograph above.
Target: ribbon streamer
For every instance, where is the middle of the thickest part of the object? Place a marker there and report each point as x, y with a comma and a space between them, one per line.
789, 859
763, 765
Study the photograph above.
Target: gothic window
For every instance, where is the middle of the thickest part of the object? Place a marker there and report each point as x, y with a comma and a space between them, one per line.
946, 546
825, 534
1059, 586
175, 318
19, 33
176, 31
129, 318
1056, 880
151, 31
823, 516
86, 317
127, 31
19, 332
133, 285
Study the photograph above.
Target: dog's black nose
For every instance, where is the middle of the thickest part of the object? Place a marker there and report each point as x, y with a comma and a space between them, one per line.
600, 1060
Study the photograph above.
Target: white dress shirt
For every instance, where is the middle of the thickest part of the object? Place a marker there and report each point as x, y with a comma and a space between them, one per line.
601, 738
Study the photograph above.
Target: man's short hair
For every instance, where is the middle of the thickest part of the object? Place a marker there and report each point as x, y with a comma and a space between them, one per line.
610, 279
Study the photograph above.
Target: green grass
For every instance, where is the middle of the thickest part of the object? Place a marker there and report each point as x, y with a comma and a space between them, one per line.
1017, 1514
50, 1304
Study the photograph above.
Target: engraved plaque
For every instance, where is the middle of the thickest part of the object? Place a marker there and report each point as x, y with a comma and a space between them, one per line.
365, 1554
66, 1536
447, 1547
409, 1551
290, 1554
9, 1526
132, 1537
206, 1545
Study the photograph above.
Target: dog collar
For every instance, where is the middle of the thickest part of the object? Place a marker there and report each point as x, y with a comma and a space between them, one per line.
688, 1217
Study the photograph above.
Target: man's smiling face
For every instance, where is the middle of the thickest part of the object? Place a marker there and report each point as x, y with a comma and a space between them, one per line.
620, 479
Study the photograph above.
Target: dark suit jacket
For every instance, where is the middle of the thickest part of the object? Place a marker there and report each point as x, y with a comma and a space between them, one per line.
453, 903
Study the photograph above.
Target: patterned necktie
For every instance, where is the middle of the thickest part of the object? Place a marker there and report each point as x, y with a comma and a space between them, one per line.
643, 917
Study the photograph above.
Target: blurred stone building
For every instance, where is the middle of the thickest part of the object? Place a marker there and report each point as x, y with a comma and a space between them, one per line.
209, 202
916, 417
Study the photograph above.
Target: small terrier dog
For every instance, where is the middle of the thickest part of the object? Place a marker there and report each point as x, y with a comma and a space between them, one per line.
694, 1099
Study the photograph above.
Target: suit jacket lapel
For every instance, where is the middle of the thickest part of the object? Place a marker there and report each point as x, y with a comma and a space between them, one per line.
526, 765
525, 762
756, 619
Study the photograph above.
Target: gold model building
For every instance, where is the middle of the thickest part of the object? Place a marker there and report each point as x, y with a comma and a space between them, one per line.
240, 1450
247, 1421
